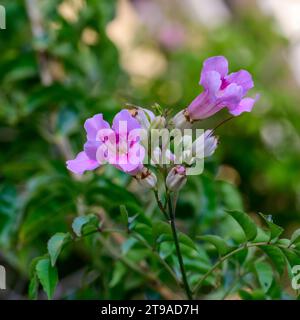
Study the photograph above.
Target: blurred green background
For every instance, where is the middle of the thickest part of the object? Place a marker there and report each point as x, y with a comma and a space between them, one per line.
63, 61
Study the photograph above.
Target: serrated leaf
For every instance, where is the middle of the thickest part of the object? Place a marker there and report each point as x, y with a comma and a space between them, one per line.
83, 224
219, 243
265, 274
275, 230
246, 223
47, 276
55, 245
276, 256
295, 238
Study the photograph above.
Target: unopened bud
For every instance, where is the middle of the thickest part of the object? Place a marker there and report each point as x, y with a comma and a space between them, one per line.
176, 178
143, 116
181, 120
146, 178
162, 157
205, 145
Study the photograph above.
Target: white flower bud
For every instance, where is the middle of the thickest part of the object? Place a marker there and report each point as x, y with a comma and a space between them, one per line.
181, 120
160, 157
146, 178
143, 116
205, 145
176, 178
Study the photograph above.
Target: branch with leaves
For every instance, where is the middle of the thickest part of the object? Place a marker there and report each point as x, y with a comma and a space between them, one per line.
270, 255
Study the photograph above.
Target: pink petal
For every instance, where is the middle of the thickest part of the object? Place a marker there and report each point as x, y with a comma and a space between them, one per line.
90, 148
218, 64
133, 160
81, 163
211, 81
94, 124
245, 105
242, 78
123, 122
230, 96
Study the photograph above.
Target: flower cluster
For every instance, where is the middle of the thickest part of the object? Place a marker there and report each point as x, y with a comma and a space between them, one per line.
124, 144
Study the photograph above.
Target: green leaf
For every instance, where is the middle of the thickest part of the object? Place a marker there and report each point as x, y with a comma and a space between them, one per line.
33, 288
145, 231
32, 267
265, 274
295, 238
242, 256
84, 224
246, 223
231, 196
292, 257
257, 294
275, 231
118, 275
47, 275
161, 228
284, 242
276, 256
262, 236
124, 215
55, 245
186, 240
219, 243
10, 204
162, 231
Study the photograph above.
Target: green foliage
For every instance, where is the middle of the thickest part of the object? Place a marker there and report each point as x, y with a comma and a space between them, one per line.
268, 267
265, 275
44, 273
246, 224
265, 260
220, 244
84, 224
55, 245
47, 275
275, 231
295, 238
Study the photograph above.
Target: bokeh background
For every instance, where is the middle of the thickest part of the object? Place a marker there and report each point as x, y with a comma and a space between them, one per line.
63, 61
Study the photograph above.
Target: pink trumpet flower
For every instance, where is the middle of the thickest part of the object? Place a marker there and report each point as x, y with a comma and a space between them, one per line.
119, 145
220, 90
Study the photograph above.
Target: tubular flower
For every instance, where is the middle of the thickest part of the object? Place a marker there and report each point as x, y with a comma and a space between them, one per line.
118, 145
220, 90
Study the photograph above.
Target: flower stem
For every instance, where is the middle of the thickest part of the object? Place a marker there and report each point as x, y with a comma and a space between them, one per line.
178, 251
